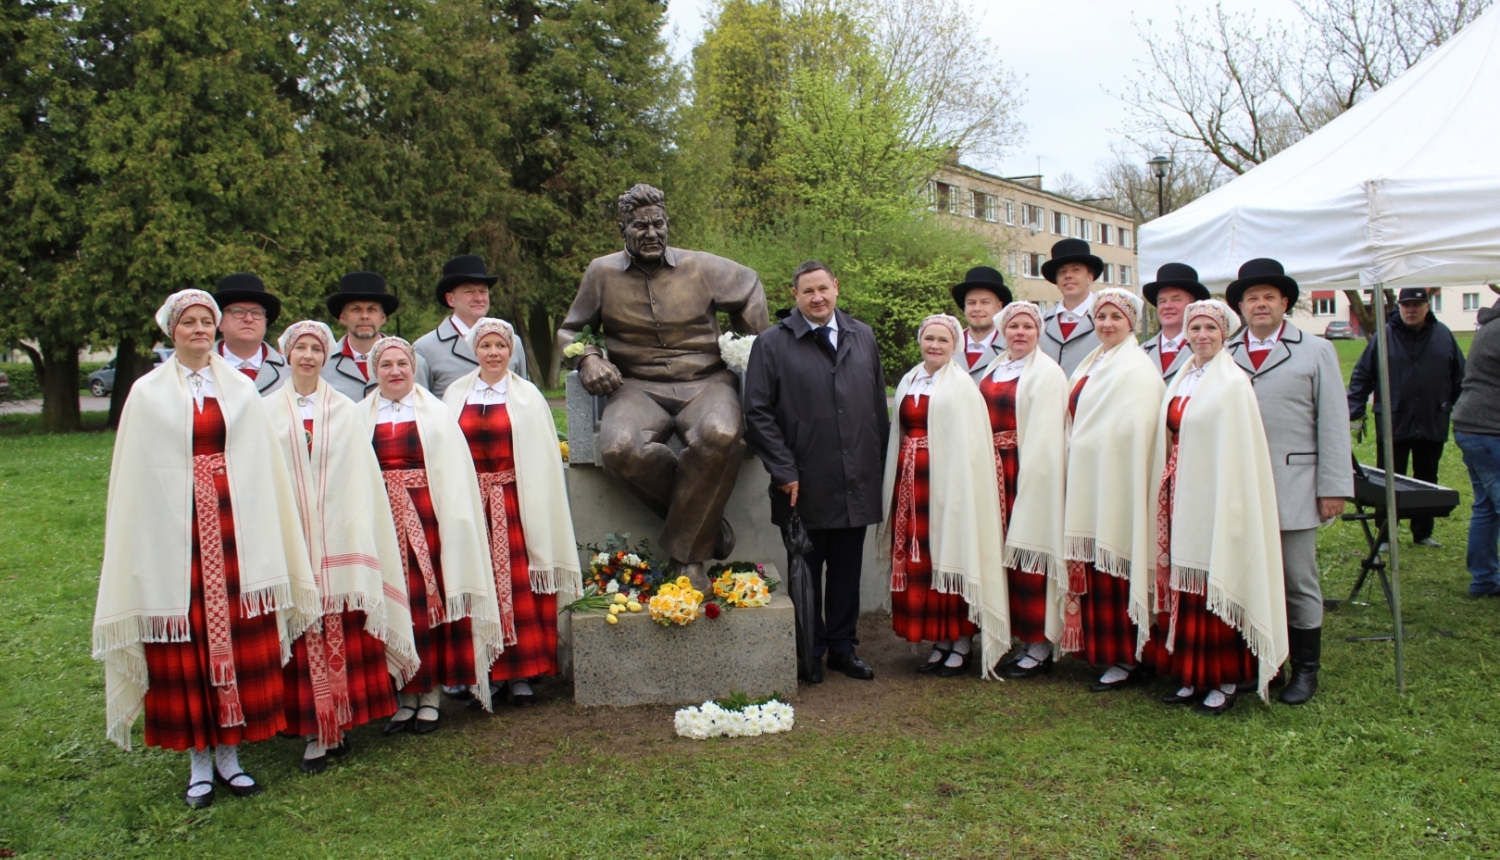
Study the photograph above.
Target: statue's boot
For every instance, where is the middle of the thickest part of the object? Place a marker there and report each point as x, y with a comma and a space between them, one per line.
724, 545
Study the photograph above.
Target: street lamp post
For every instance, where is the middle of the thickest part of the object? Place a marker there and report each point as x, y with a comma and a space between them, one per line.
1159, 165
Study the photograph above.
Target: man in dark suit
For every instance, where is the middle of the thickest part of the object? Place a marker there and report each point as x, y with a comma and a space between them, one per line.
816, 415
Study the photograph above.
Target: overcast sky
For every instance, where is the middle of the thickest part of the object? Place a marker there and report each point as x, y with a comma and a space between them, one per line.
1073, 56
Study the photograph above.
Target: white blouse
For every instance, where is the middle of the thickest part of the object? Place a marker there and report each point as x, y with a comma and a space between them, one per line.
485, 394
201, 384
1009, 370
921, 384
396, 411
306, 403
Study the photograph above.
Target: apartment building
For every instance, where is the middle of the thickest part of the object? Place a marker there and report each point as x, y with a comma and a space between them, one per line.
1022, 221
1455, 307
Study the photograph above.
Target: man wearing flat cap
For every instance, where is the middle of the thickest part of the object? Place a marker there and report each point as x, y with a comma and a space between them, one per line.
1427, 374
248, 310
464, 287
981, 297
361, 306
658, 308
1176, 286
1068, 326
1302, 404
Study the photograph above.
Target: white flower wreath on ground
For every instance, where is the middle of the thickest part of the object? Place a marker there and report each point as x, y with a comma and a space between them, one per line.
735, 350
711, 721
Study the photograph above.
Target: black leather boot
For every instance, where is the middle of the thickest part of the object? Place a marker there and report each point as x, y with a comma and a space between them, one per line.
1307, 648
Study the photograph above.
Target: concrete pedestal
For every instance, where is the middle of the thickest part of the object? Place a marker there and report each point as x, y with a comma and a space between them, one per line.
640, 662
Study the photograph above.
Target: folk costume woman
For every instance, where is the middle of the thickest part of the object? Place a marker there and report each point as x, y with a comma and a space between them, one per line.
1026, 393
1115, 394
513, 442
942, 525
439, 519
1218, 584
341, 671
205, 582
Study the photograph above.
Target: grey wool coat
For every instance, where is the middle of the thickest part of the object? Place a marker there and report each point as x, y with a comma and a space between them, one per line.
449, 358
819, 420
981, 364
342, 373
1305, 412
1071, 351
273, 372
1152, 346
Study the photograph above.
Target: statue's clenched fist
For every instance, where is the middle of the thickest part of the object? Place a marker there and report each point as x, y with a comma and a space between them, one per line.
598, 374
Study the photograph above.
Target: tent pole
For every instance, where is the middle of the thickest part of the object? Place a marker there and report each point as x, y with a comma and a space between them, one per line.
1388, 455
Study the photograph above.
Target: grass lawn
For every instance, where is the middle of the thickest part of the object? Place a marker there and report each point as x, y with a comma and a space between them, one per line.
905, 766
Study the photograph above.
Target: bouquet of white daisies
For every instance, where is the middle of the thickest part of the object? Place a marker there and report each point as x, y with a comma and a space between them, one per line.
710, 720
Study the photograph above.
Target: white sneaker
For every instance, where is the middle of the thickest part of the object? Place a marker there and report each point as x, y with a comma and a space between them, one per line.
1427, 541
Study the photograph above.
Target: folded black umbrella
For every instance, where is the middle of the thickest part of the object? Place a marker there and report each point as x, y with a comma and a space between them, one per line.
800, 587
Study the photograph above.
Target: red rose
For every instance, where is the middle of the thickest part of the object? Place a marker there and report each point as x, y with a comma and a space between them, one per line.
712, 610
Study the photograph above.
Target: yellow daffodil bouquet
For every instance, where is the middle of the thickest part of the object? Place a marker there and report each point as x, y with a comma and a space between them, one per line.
741, 585
676, 603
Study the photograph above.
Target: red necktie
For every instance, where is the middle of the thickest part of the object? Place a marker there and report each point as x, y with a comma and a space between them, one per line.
1167, 357
251, 372
1067, 329
1257, 356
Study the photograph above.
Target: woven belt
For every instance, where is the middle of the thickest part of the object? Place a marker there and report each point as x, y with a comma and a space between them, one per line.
492, 490
906, 512
1005, 439
412, 538
215, 588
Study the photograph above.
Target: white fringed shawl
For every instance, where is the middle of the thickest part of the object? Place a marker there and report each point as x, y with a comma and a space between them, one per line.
346, 519
1226, 534
1034, 535
546, 518
468, 580
1108, 508
145, 582
963, 502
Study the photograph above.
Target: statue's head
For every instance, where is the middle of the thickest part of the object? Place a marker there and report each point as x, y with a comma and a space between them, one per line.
643, 222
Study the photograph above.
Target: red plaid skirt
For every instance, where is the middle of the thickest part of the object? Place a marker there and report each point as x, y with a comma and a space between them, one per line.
446, 651
1108, 635
181, 704
921, 614
1028, 605
372, 695
488, 430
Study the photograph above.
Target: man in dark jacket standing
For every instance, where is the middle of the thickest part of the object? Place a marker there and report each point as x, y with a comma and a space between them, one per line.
1427, 369
815, 414
1476, 431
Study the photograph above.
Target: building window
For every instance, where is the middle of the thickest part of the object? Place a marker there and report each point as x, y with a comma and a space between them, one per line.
1124, 276
942, 197
1034, 265
986, 206
1010, 212
1085, 230
1437, 301
1104, 234
1108, 275
1033, 215
1471, 301
1124, 238
1060, 223
1323, 307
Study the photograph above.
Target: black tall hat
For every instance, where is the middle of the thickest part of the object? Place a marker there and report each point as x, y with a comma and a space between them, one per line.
465, 269
362, 287
1071, 251
245, 287
982, 278
1179, 275
1261, 271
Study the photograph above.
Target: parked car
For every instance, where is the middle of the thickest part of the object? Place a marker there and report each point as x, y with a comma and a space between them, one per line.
102, 381
4, 386
1339, 330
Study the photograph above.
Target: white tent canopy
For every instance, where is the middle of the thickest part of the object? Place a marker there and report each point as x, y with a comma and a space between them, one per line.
1403, 189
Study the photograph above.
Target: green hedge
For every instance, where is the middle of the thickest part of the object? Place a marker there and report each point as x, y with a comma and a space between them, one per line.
24, 384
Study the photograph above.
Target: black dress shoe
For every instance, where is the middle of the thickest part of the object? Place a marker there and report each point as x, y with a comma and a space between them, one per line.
813, 677
395, 726
946, 671
1174, 699
426, 727
851, 665
932, 665
315, 765
200, 801
1135, 677
250, 790
1016, 671
342, 749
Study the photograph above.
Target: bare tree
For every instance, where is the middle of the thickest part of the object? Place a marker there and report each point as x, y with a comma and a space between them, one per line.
1130, 186
967, 97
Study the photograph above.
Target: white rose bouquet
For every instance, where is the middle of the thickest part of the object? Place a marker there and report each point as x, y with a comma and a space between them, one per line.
735, 350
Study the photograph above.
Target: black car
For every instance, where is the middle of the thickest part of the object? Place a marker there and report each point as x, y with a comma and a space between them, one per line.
1339, 330
102, 381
